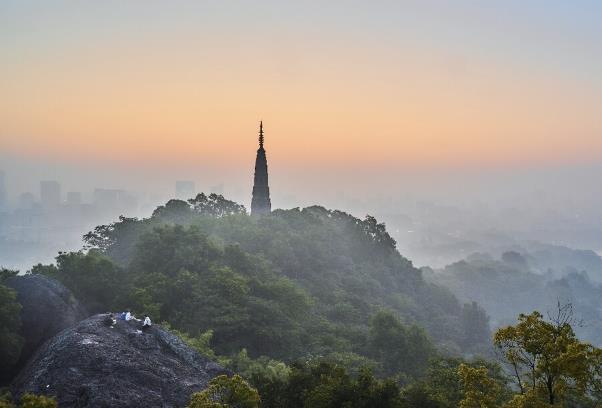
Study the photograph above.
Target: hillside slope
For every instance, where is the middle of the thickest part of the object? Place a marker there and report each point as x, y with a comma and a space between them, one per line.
295, 283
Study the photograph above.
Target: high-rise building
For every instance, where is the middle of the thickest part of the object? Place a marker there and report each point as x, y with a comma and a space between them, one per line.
74, 198
3, 193
26, 201
114, 200
185, 189
261, 204
50, 193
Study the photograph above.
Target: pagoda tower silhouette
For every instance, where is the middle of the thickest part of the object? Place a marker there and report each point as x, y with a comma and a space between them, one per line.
260, 204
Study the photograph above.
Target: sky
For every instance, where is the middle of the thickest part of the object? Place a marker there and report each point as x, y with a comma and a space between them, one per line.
355, 96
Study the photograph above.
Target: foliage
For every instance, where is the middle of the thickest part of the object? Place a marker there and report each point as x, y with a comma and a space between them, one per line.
179, 275
6, 399
475, 326
93, 278
256, 292
260, 369
295, 283
37, 401
417, 395
323, 384
268, 376
400, 348
116, 240
316, 383
480, 390
201, 342
378, 232
442, 386
547, 360
11, 341
29, 401
528, 399
7, 273
223, 392
215, 205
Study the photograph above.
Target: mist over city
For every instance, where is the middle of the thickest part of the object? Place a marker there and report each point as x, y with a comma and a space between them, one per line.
438, 216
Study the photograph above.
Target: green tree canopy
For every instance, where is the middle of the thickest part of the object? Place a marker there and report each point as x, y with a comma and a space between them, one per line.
11, 341
226, 392
400, 348
547, 360
294, 283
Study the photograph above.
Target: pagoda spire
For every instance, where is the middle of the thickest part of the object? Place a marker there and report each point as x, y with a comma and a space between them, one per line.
261, 204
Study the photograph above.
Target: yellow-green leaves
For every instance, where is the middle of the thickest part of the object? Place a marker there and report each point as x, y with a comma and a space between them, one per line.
547, 360
480, 390
226, 392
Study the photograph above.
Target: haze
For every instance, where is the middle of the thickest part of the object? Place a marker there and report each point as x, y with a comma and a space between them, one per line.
442, 119
270, 203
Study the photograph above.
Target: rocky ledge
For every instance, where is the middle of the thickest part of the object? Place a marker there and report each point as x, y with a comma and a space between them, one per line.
48, 308
99, 364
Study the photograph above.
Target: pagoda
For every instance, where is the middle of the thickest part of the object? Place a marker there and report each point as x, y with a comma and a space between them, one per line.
260, 204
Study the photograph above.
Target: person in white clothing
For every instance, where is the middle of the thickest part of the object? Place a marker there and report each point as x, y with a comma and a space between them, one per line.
128, 317
147, 323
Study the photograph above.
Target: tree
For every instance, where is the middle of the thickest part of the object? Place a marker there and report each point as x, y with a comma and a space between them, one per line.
37, 401
215, 205
418, 395
93, 278
475, 325
176, 211
547, 360
226, 392
11, 341
106, 237
269, 377
378, 232
7, 273
28, 401
443, 385
480, 390
401, 349
324, 384
299, 282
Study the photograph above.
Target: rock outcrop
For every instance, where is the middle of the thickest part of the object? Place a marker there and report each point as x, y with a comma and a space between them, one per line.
99, 364
48, 308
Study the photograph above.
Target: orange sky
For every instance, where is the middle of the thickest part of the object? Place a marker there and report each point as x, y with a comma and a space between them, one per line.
328, 94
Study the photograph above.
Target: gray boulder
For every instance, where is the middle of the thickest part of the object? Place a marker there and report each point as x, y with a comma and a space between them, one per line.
98, 364
48, 308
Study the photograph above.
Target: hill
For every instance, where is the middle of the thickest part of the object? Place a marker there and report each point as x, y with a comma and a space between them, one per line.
516, 282
299, 282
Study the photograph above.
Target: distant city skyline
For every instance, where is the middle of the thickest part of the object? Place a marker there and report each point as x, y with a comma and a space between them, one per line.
484, 110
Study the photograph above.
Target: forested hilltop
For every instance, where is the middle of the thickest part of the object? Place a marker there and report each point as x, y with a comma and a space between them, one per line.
299, 282
307, 308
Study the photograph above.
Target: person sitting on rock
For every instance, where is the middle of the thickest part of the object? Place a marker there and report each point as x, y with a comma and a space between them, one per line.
147, 323
122, 316
108, 320
128, 316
